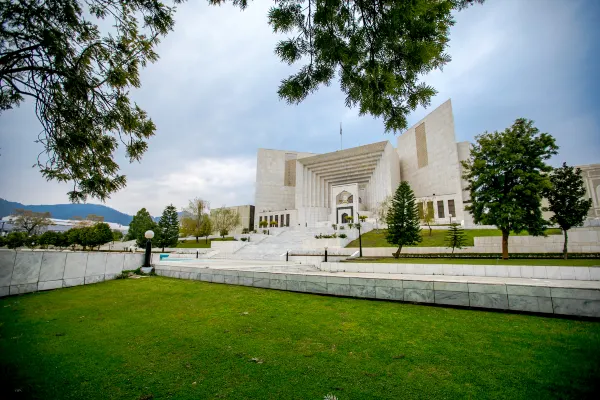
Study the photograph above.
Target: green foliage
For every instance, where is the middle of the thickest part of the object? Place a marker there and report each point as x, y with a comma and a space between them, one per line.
101, 234
224, 220
48, 238
31, 241
168, 228
30, 222
141, 222
379, 50
206, 227
565, 196
193, 218
403, 219
263, 224
506, 175
2, 241
15, 239
77, 61
455, 238
343, 236
117, 235
426, 214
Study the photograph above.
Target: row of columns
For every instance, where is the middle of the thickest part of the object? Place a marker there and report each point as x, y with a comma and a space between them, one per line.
315, 189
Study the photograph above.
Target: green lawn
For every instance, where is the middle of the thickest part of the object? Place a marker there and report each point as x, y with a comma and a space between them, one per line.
477, 261
376, 238
202, 243
166, 338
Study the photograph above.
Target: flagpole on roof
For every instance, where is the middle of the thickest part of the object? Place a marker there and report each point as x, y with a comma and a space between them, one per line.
341, 146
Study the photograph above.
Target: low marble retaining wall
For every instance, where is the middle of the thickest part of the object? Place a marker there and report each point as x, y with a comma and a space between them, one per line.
539, 272
30, 271
531, 297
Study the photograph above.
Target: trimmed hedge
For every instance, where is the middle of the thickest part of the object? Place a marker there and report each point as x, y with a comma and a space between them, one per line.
497, 255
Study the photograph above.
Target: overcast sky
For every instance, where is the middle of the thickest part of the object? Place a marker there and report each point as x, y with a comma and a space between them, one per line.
213, 97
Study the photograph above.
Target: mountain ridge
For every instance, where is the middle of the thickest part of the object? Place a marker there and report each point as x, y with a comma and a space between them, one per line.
68, 211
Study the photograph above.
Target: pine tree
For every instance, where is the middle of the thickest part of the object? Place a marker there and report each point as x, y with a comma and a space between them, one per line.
506, 175
566, 200
168, 228
455, 237
141, 222
403, 219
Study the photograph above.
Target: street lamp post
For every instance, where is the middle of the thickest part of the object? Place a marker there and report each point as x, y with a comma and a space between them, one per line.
359, 236
149, 235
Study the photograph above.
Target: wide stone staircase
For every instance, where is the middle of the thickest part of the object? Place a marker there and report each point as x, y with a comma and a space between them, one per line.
274, 247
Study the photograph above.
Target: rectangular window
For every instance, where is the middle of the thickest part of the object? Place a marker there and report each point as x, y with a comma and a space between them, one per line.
287, 220
270, 218
451, 209
441, 209
282, 220
277, 220
259, 219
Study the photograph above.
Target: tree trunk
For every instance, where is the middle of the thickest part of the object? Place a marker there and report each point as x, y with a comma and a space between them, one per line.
163, 249
429, 229
565, 245
206, 239
505, 233
196, 239
397, 253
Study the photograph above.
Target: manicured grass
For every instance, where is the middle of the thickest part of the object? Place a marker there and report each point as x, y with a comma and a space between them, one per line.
167, 338
479, 261
202, 243
376, 238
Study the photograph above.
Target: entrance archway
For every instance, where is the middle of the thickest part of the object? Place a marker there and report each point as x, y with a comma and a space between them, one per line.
344, 216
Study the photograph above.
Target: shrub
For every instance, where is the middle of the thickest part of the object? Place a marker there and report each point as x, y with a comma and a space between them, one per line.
263, 224
334, 226
243, 239
15, 239
245, 231
363, 218
350, 225
342, 228
343, 236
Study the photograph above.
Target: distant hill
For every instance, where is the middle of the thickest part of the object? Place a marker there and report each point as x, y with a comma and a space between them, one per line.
68, 211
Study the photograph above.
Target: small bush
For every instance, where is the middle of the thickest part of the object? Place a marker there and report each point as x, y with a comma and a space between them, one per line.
342, 228
243, 239
343, 236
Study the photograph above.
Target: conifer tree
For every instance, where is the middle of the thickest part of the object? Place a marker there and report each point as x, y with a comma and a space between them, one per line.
403, 219
168, 228
141, 222
566, 198
455, 237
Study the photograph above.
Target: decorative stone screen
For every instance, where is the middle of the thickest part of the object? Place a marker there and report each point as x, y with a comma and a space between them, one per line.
289, 174
422, 159
440, 205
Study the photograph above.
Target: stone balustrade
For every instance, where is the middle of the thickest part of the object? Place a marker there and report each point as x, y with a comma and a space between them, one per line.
30, 271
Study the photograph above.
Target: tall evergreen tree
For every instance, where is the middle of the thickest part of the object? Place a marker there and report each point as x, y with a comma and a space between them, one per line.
506, 175
403, 219
168, 226
142, 221
566, 197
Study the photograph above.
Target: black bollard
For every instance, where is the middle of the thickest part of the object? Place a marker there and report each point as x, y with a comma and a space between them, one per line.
287, 256
325, 254
196, 253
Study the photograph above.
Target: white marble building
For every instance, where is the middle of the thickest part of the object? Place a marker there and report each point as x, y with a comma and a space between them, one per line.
305, 189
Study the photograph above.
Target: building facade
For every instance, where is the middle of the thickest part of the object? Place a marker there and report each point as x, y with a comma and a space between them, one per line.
306, 189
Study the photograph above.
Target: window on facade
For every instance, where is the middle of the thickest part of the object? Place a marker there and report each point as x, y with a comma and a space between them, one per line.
287, 220
451, 209
420, 210
282, 220
441, 209
259, 219
270, 218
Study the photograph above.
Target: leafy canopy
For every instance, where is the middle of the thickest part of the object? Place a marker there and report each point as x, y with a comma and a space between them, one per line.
566, 197
77, 60
224, 220
193, 217
379, 50
506, 175
142, 221
403, 219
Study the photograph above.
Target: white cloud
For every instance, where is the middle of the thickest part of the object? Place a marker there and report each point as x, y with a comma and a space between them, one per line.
225, 181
